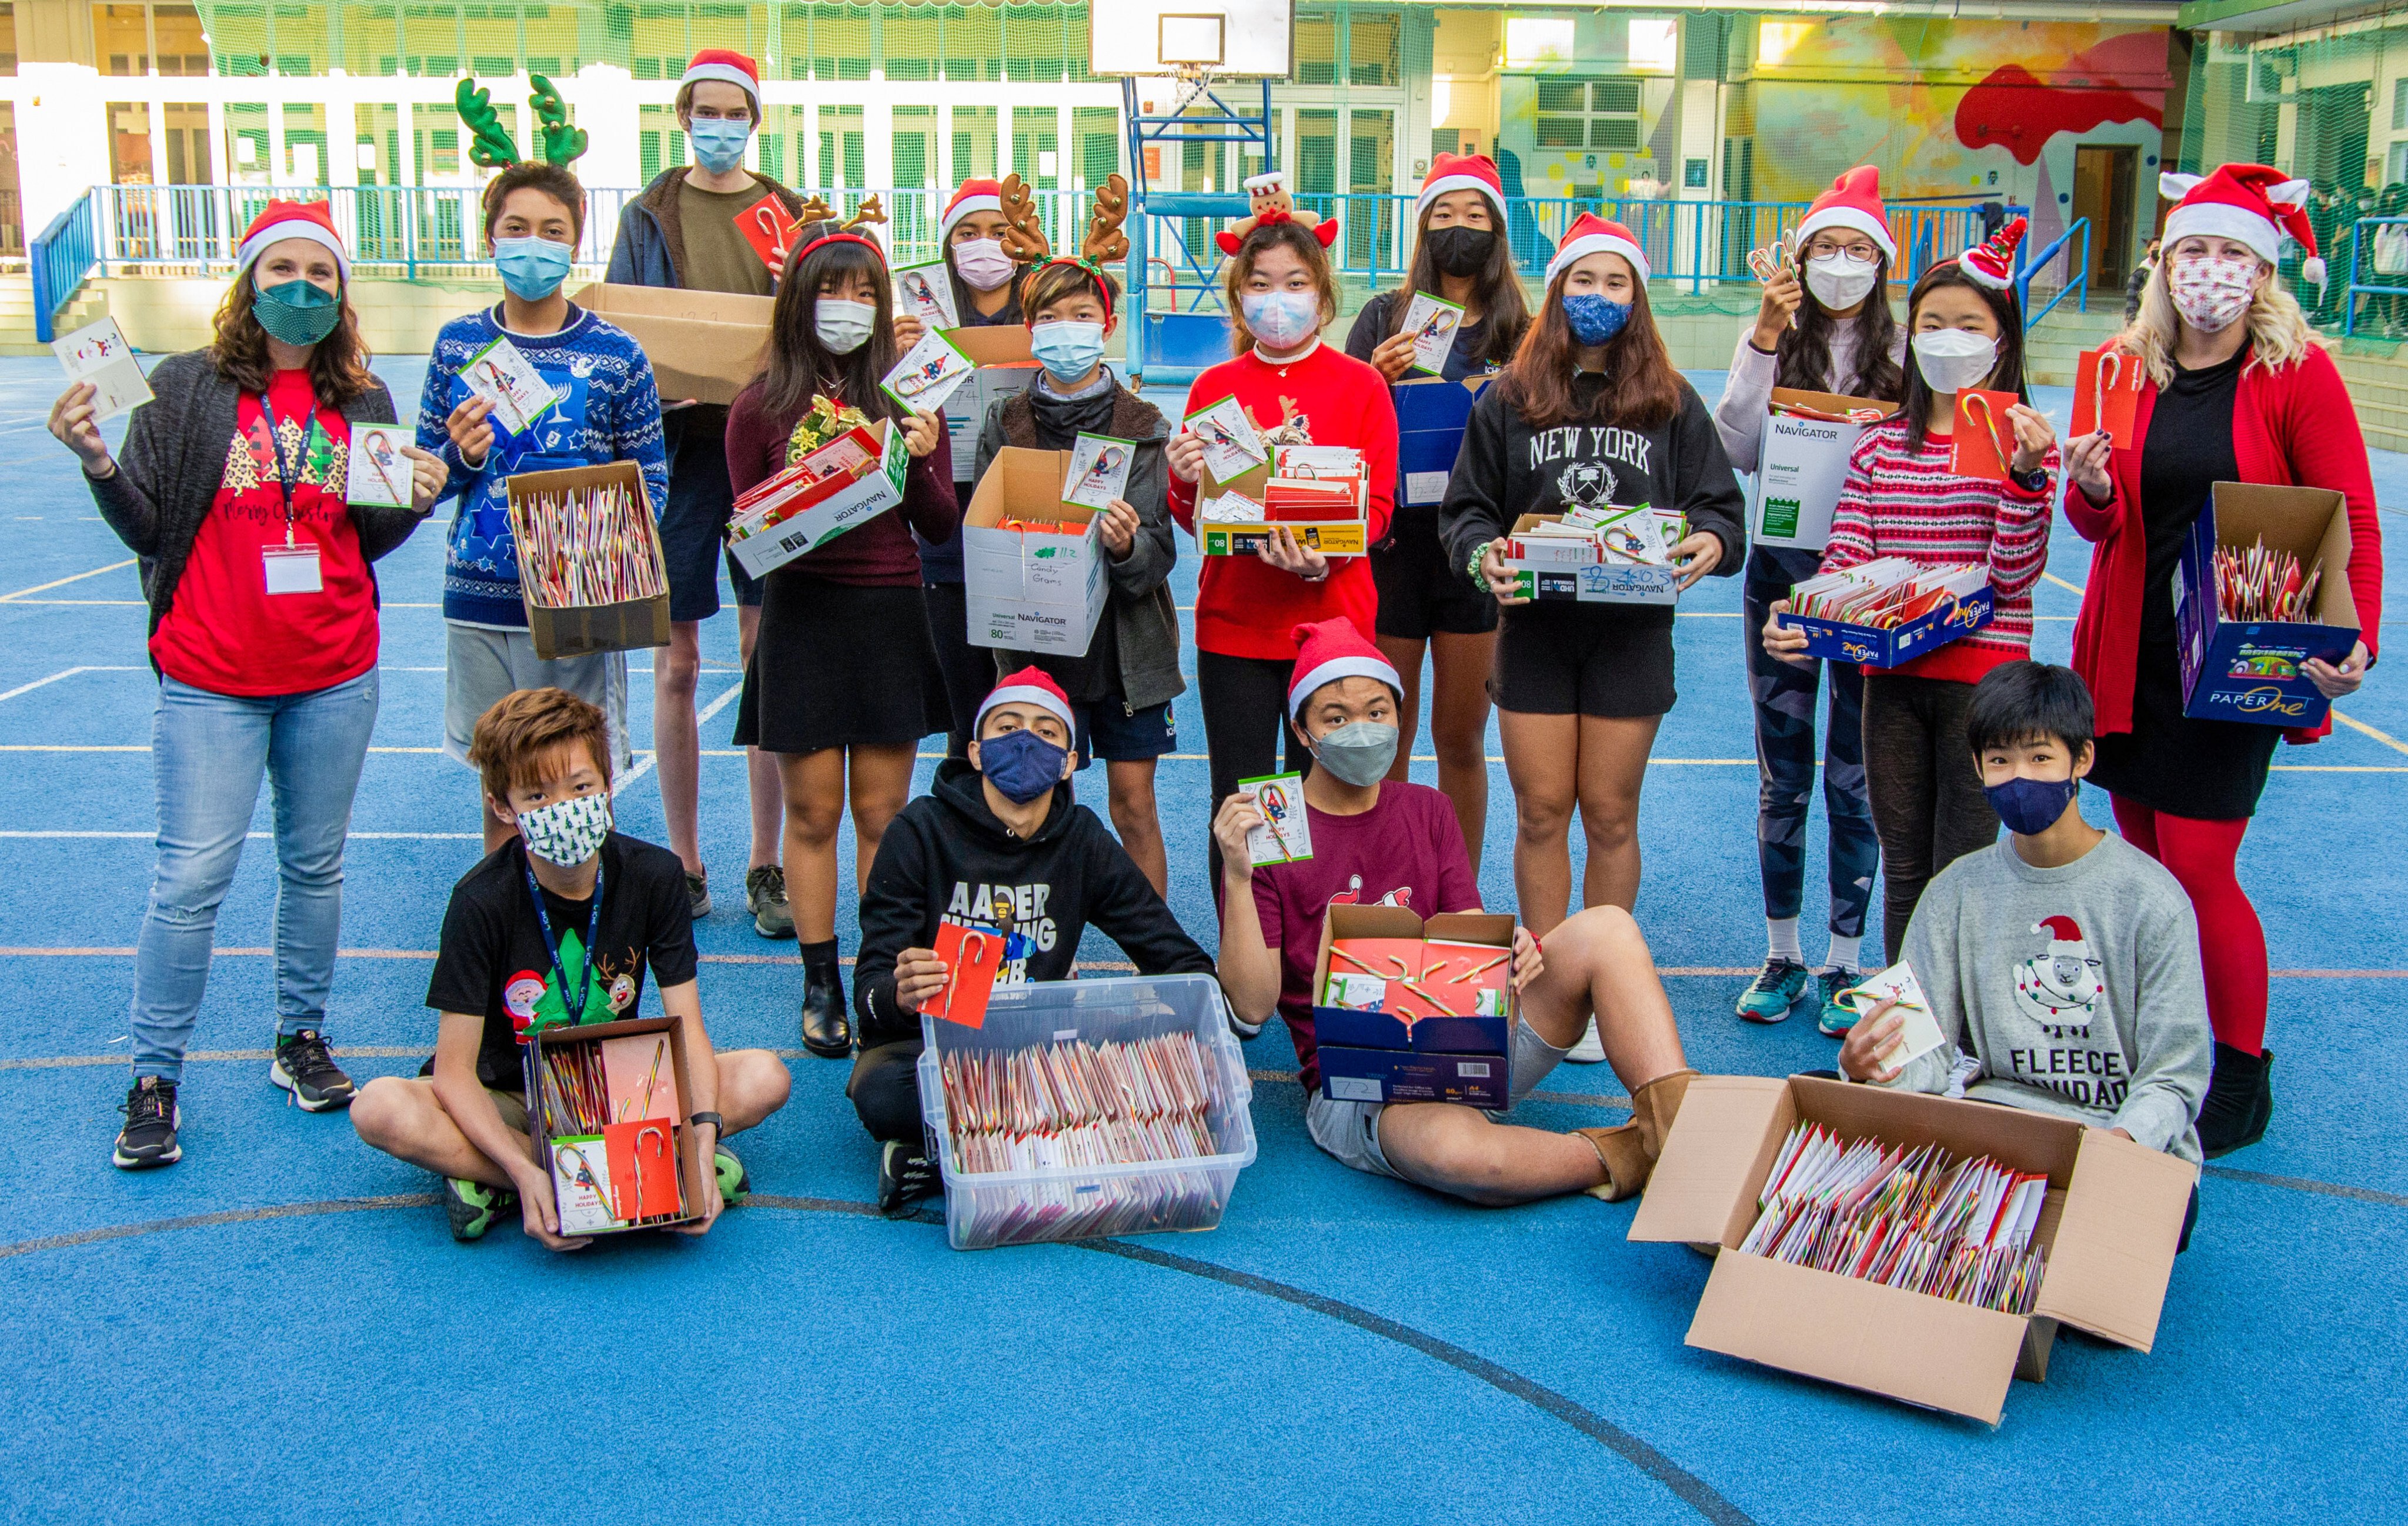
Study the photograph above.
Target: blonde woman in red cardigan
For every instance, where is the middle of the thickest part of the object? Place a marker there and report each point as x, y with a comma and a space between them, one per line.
2236, 390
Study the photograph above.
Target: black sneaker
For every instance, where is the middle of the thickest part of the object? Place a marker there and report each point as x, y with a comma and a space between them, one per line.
765, 896
735, 1182
698, 894
905, 1175
473, 1206
152, 1119
306, 1069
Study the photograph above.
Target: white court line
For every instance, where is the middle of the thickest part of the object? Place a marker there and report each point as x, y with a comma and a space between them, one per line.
59, 583
645, 767
2352, 722
2076, 592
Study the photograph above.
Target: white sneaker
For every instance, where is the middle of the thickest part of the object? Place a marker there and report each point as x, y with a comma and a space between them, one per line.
1590, 1050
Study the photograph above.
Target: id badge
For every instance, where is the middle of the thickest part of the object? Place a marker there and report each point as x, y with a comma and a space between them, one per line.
291, 570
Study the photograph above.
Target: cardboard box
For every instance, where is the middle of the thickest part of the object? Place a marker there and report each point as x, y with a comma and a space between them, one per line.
1402, 1075
703, 345
817, 512
2235, 672
1004, 367
1373, 1048
1032, 590
1432, 415
693, 1169
1879, 646
1241, 537
1555, 569
2112, 1215
576, 630
1800, 466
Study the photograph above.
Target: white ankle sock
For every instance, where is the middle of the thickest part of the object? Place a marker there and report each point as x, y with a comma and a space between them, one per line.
1783, 934
1844, 952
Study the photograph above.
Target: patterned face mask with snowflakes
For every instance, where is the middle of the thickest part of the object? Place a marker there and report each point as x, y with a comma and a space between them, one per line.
2210, 290
566, 832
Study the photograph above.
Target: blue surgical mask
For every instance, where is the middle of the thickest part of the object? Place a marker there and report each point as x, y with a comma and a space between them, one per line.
1022, 764
2031, 806
533, 269
1282, 320
1068, 350
1595, 319
296, 312
718, 142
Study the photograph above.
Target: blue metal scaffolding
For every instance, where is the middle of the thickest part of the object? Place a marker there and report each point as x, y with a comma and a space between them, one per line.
1190, 331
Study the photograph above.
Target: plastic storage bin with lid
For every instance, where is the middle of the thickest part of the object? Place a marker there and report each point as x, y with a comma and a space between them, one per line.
1059, 1202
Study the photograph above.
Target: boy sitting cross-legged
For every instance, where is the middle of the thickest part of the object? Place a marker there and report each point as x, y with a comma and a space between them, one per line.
566, 905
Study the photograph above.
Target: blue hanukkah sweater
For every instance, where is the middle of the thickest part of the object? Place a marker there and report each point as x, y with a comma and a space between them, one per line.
609, 410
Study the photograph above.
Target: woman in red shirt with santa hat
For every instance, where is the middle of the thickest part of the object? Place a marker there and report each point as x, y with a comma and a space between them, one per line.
2235, 388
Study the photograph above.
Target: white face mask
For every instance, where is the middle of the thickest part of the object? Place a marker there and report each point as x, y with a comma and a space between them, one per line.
982, 264
1840, 280
2210, 290
842, 326
1952, 359
566, 832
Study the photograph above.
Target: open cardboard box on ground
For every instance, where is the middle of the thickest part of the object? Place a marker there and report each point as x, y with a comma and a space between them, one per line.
1552, 570
1031, 590
703, 345
814, 511
1005, 366
576, 629
2233, 671
693, 1171
2113, 1216
1348, 536
1372, 1056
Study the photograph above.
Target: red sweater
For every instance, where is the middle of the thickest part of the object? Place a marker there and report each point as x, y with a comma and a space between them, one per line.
877, 554
1245, 607
1898, 502
2295, 427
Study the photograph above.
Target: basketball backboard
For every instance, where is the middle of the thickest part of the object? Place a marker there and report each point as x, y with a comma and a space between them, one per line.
1227, 39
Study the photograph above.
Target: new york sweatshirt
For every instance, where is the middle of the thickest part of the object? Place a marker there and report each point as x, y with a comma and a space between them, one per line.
946, 857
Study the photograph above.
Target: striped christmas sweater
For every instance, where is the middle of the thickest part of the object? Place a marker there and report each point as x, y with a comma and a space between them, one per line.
1903, 502
609, 410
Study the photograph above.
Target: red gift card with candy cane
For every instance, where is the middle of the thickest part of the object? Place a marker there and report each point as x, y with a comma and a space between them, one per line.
643, 1168
1985, 435
2106, 395
972, 960
770, 229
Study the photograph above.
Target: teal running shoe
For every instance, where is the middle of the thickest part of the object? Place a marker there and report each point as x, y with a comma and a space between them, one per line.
1776, 989
473, 1206
1838, 1016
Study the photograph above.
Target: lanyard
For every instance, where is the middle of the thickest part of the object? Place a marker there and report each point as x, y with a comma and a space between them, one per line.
286, 472
559, 956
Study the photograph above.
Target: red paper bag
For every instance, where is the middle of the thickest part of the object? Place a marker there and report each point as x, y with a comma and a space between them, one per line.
643, 1168
770, 229
2106, 392
972, 960
1985, 435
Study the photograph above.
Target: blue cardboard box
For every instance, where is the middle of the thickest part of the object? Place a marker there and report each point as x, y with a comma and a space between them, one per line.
1431, 413
1842, 642
2237, 672
1400, 1075
1376, 1047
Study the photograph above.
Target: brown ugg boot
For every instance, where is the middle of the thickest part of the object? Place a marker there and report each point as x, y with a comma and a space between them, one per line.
1629, 1150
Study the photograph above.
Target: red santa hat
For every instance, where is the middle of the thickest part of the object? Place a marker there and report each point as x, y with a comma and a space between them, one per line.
1854, 202
728, 65
282, 219
1329, 651
1592, 235
974, 197
1029, 686
1993, 264
2064, 940
1464, 172
2255, 204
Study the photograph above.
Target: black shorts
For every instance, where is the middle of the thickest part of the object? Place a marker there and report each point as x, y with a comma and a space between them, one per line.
1420, 596
694, 526
1569, 659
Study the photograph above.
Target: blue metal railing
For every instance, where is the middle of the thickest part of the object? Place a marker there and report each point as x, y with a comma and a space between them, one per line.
61, 259
2362, 245
2078, 274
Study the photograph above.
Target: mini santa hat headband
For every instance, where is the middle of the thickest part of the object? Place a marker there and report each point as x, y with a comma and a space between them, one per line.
1993, 264
727, 65
282, 219
1854, 202
1031, 685
1593, 234
1329, 651
2256, 205
1463, 172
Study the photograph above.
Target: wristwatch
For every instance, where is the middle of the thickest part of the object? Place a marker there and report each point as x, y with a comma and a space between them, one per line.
717, 1124
2034, 481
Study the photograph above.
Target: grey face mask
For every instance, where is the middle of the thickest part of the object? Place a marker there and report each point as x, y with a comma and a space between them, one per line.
1359, 752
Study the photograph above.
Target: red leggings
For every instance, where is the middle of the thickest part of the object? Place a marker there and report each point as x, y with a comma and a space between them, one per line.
2231, 941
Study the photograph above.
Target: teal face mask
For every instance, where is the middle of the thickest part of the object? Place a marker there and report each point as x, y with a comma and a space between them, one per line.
297, 311
533, 269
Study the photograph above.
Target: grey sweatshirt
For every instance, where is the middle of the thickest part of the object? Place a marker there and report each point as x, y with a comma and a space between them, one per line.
2077, 989
1739, 417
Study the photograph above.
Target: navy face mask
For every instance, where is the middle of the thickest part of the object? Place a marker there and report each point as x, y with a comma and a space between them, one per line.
1022, 764
1595, 319
2031, 806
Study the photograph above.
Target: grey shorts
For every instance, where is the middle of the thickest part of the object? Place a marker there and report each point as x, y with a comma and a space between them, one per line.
1349, 1132
482, 665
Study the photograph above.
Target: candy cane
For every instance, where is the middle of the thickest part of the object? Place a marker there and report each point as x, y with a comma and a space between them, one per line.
1989, 422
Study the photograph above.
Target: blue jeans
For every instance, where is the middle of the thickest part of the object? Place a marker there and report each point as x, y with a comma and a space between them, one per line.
209, 751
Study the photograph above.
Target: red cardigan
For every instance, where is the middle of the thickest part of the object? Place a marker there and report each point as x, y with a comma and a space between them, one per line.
2295, 427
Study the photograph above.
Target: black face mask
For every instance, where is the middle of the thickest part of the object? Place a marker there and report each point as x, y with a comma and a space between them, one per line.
1460, 251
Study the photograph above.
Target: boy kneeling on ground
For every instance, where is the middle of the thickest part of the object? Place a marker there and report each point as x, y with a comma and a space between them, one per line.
566, 904
1397, 843
999, 844
2062, 963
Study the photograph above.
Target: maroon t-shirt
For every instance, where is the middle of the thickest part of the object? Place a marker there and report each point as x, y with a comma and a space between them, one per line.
1406, 851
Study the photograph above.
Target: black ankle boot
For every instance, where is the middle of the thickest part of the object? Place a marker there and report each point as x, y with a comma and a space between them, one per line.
2239, 1099
825, 1030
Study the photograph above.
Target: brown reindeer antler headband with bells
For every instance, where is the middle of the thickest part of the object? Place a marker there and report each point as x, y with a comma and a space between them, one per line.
817, 211
1103, 243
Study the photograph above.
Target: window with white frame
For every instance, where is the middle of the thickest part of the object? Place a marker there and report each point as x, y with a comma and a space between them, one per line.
1587, 113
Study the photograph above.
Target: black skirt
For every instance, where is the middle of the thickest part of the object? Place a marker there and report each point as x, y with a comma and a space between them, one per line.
837, 665
2208, 771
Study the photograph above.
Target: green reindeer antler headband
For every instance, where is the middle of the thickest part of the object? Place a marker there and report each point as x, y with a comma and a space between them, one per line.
491, 145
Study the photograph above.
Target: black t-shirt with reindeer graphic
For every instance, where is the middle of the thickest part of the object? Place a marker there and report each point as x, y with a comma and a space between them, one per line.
494, 959
1508, 468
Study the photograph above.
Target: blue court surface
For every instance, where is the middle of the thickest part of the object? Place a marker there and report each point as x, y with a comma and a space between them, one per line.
280, 1325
